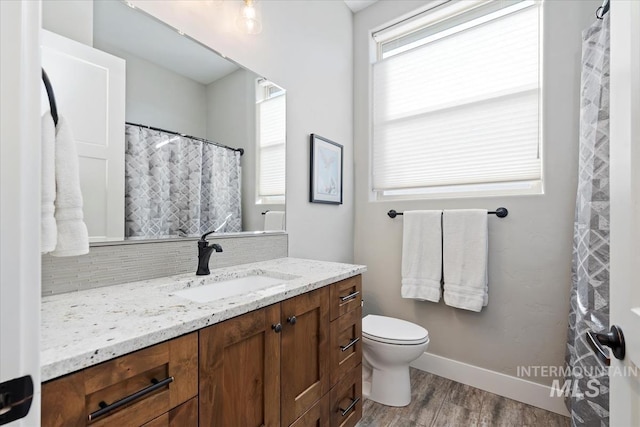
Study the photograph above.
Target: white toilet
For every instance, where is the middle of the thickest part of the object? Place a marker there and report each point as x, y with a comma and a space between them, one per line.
389, 345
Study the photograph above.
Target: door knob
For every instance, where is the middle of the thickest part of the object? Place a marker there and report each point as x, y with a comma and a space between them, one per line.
292, 320
614, 339
277, 327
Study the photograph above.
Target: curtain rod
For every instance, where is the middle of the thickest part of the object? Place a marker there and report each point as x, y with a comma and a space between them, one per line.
241, 150
500, 213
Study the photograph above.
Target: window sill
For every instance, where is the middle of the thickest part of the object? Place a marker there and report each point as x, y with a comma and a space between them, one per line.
528, 188
270, 200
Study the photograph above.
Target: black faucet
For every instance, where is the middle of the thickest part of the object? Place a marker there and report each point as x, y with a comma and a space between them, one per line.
204, 254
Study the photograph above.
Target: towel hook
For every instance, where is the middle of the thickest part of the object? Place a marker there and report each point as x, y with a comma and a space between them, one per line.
51, 96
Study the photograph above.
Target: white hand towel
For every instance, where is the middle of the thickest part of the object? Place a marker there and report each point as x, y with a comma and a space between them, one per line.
465, 254
73, 238
274, 221
422, 255
48, 228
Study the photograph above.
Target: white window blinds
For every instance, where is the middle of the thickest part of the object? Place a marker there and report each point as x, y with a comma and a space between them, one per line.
462, 107
271, 146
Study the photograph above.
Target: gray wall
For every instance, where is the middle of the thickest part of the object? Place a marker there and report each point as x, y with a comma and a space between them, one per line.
231, 105
305, 46
162, 98
530, 250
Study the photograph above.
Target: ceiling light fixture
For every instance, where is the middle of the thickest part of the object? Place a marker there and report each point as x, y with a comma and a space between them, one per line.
248, 20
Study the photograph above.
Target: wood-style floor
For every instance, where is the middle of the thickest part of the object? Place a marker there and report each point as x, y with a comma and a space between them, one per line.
437, 401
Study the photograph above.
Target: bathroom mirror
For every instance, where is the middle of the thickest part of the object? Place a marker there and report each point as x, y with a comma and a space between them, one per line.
189, 114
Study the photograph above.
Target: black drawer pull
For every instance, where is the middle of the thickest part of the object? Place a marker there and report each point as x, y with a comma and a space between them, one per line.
350, 296
106, 408
350, 407
351, 344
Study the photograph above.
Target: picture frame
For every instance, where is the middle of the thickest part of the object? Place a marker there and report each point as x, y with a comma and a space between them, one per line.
326, 171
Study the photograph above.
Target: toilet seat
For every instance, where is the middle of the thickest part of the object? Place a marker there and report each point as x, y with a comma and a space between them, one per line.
389, 330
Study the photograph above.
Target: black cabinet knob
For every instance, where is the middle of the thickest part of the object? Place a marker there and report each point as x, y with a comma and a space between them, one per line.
277, 327
292, 320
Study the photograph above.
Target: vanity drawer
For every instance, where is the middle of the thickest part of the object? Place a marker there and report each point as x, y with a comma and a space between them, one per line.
156, 379
346, 344
345, 296
346, 399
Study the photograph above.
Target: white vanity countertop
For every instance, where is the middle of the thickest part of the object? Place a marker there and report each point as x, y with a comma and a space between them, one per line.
81, 329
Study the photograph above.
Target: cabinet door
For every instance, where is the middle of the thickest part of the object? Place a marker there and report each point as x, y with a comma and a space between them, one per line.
305, 356
239, 371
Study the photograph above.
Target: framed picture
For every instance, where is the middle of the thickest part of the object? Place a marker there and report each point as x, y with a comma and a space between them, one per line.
326, 171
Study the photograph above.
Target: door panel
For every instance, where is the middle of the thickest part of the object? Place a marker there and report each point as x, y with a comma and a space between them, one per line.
89, 87
625, 209
20, 203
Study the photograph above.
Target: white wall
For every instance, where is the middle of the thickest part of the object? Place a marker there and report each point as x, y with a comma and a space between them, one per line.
530, 250
306, 47
72, 19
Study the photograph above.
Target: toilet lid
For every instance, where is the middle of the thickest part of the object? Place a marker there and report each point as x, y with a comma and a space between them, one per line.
393, 331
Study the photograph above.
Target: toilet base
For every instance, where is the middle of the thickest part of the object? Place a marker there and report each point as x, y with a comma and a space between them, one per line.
391, 387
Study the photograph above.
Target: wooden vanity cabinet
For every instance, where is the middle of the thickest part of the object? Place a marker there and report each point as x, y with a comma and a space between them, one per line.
295, 363
168, 372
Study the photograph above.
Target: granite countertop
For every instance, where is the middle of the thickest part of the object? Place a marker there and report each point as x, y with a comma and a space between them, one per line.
82, 329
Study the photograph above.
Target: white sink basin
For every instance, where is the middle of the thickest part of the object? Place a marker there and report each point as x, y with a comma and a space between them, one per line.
229, 288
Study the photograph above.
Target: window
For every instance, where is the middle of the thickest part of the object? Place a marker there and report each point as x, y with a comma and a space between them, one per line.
271, 130
456, 101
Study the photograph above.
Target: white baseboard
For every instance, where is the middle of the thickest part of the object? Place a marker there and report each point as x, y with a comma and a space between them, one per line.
519, 389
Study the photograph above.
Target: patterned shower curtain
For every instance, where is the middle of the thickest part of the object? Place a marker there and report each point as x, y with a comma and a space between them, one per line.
588, 400
178, 186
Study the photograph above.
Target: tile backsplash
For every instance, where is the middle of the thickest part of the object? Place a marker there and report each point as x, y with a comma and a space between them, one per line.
107, 265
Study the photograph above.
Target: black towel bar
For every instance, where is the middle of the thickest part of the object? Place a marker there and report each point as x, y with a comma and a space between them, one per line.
500, 213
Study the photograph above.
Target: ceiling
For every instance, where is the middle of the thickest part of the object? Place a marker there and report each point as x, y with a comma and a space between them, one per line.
357, 5
117, 25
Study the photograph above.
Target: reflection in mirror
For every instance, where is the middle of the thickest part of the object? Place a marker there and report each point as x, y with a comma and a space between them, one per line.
204, 140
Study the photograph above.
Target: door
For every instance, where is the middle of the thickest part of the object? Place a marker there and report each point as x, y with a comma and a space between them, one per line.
19, 205
89, 87
239, 371
625, 209
304, 363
